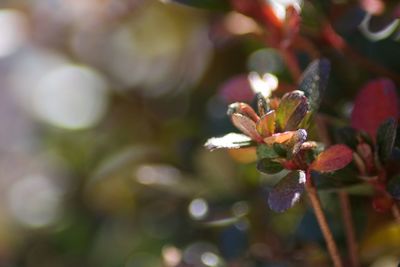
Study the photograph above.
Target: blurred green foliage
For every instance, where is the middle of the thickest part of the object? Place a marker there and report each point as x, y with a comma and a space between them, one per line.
104, 110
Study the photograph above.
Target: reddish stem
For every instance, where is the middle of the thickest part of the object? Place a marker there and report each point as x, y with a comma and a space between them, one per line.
349, 228
323, 223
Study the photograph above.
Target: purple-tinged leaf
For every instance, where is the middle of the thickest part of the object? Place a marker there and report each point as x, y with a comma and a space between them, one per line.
287, 191
314, 81
385, 139
334, 158
375, 103
291, 110
266, 125
229, 141
246, 125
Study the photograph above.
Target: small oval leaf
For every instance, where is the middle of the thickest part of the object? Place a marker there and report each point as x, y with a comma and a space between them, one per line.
291, 110
243, 109
287, 191
269, 166
334, 158
246, 125
266, 151
376, 102
266, 125
289, 138
385, 139
229, 141
314, 81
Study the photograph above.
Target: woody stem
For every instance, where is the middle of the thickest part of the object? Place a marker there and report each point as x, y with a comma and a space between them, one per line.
323, 224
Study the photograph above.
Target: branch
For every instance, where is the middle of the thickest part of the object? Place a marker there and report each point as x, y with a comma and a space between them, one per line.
323, 224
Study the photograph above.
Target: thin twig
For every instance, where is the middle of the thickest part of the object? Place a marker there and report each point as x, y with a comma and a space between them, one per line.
323, 224
352, 245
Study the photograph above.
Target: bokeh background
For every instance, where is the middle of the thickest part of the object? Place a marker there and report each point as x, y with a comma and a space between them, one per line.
104, 110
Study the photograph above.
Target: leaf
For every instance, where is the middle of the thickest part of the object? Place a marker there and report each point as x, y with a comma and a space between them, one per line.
291, 110
262, 104
314, 82
246, 125
375, 103
393, 187
243, 109
287, 191
266, 151
206, 4
280, 149
269, 166
289, 138
266, 125
334, 158
385, 139
230, 141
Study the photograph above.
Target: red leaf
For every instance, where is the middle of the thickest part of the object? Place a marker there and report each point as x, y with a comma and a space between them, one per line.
375, 103
334, 158
246, 125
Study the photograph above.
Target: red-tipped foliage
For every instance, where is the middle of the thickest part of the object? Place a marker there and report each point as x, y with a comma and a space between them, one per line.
334, 158
375, 103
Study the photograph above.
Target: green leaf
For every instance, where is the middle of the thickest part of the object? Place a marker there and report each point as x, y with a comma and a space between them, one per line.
287, 191
334, 158
385, 139
266, 125
280, 149
269, 166
291, 110
206, 4
393, 187
314, 81
229, 141
266, 151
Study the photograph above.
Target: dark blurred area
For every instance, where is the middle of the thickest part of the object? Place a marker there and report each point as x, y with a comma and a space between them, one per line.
104, 109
